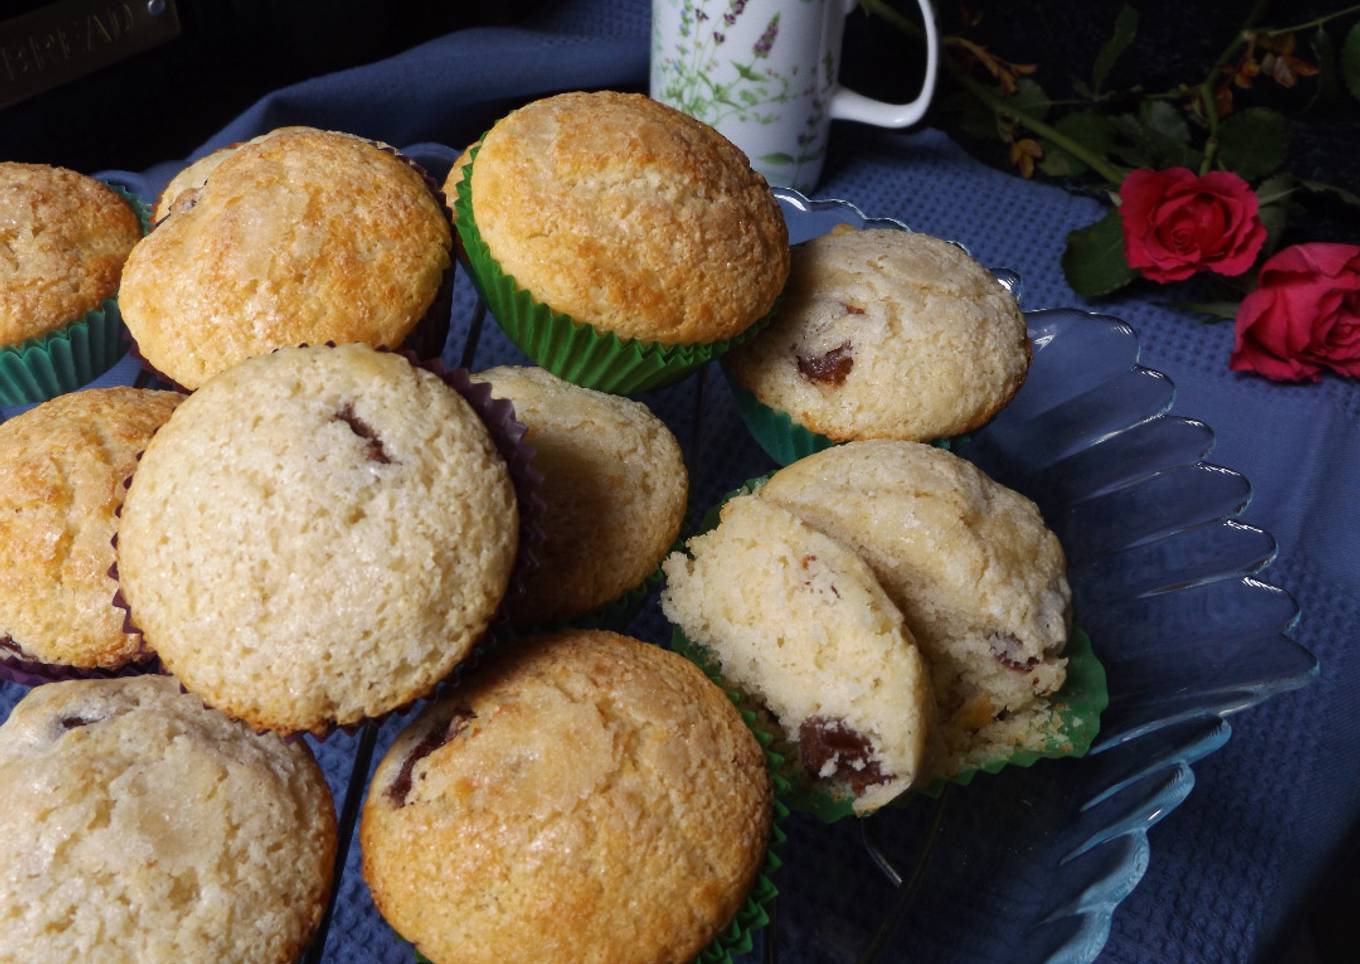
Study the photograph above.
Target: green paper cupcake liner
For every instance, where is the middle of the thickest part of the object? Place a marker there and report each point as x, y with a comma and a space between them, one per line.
62, 360
72, 356
737, 937
783, 439
569, 349
139, 208
1077, 709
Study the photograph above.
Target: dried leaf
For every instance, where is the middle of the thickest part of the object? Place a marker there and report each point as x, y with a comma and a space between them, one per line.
1280, 64
1003, 71
1245, 72
1024, 153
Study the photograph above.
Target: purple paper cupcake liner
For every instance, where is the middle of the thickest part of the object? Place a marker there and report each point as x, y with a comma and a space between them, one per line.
15, 667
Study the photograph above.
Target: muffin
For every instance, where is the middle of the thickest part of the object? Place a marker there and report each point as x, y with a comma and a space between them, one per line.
979, 577
547, 803
614, 483
298, 237
193, 177
65, 238
886, 334
798, 622
614, 212
137, 825
62, 469
317, 536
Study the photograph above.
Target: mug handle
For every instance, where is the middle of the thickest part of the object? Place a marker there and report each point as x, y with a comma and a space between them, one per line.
848, 105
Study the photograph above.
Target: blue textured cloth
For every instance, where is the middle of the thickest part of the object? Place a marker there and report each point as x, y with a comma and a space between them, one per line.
1234, 863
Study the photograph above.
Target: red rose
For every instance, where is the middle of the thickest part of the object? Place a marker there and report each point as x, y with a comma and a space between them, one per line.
1304, 316
1177, 223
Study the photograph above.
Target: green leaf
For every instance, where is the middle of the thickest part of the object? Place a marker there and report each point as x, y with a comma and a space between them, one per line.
1156, 137
1274, 210
1332, 191
1089, 129
975, 118
1253, 142
1213, 311
1125, 26
1161, 117
1094, 260
1030, 98
778, 157
1058, 163
1350, 61
1325, 52
1131, 155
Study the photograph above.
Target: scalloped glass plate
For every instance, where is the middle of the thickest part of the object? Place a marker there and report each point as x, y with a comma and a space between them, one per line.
1027, 864
1030, 865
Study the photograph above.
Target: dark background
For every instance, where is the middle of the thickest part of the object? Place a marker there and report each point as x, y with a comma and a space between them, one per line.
161, 104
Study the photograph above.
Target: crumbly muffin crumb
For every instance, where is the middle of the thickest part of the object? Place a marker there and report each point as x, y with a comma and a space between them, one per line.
798, 621
979, 577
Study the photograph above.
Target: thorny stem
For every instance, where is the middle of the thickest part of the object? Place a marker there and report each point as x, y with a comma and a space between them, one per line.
881, 8
1206, 89
1311, 23
1272, 198
1094, 161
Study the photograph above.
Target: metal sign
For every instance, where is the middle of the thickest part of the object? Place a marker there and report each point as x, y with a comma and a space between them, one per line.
62, 41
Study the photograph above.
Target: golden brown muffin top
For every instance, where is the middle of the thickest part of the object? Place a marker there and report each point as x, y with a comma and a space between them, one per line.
62, 468
63, 240
195, 175
302, 236
630, 216
586, 795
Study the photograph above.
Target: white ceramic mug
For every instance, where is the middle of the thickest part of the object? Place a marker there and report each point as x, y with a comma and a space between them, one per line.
763, 72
